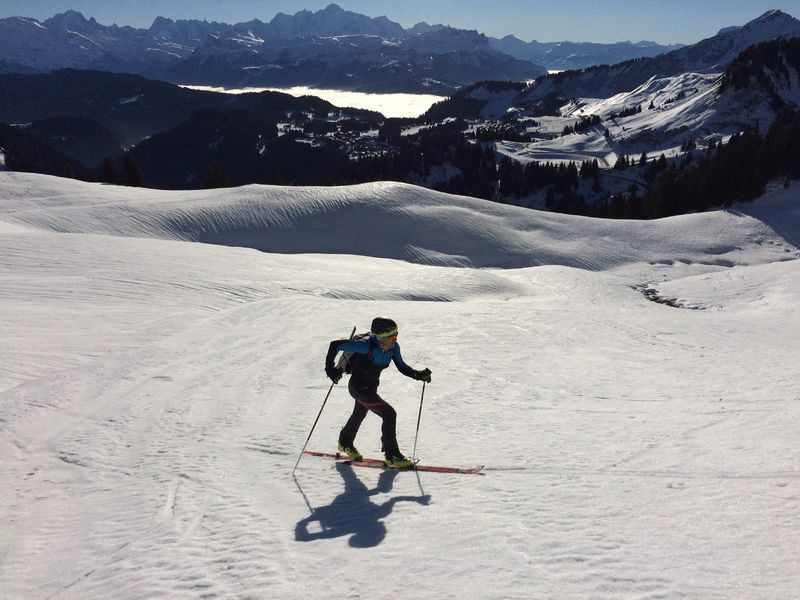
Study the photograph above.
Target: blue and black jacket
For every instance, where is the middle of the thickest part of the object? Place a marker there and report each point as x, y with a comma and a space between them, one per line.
368, 360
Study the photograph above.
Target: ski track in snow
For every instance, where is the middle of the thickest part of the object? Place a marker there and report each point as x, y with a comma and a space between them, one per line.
156, 394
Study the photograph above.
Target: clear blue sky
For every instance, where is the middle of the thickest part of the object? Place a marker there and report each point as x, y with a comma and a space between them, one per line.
662, 21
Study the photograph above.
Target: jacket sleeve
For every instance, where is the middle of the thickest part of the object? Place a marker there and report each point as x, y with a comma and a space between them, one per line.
345, 345
401, 365
333, 349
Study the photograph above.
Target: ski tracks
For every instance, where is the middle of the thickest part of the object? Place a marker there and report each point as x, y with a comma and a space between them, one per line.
146, 478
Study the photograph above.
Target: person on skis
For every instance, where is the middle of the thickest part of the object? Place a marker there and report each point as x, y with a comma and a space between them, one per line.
369, 356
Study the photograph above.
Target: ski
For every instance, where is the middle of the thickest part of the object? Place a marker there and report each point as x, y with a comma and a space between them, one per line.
340, 456
376, 463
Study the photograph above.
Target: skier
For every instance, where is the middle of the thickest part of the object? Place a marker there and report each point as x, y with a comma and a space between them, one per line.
370, 355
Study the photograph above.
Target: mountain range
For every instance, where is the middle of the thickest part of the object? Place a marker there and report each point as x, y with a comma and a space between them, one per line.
548, 95
562, 56
331, 48
69, 40
692, 97
710, 55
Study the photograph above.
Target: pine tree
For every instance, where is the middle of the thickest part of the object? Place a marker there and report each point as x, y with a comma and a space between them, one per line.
109, 173
274, 176
131, 173
215, 177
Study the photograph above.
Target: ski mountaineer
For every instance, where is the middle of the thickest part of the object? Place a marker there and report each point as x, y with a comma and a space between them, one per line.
369, 356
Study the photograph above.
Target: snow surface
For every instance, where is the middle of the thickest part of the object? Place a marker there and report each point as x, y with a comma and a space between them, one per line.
155, 393
674, 110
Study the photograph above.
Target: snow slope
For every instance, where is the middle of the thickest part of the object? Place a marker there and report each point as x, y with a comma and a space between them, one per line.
155, 394
674, 110
384, 219
684, 107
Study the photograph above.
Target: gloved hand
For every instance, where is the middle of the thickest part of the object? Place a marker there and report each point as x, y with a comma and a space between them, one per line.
334, 374
424, 375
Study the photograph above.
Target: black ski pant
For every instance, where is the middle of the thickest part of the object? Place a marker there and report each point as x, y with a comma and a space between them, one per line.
367, 399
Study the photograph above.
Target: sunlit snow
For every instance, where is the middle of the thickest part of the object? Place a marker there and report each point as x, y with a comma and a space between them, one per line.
155, 392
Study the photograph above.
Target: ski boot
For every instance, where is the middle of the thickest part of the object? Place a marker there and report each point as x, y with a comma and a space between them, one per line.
351, 451
397, 461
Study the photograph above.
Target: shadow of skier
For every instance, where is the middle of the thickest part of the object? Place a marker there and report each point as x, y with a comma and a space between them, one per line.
353, 513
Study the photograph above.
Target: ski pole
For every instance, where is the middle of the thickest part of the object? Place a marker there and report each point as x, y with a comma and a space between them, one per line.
319, 414
419, 416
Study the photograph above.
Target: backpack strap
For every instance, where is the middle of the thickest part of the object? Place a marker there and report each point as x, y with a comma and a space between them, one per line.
372, 342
